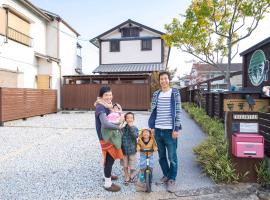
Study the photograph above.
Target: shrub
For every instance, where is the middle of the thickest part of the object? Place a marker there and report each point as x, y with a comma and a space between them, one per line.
212, 154
263, 172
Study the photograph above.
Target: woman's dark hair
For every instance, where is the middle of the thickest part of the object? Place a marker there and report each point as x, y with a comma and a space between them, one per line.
129, 113
164, 73
103, 90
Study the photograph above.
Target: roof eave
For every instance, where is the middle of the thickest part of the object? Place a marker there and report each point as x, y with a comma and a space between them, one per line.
36, 9
256, 46
59, 19
118, 26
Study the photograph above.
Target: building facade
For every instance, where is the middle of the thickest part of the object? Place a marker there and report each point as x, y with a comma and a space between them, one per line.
201, 72
36, 47
131, 47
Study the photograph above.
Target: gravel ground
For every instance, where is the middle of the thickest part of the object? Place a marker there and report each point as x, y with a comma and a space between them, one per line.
58, 157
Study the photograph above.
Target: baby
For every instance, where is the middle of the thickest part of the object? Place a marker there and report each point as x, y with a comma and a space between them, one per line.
116, 116
113, 135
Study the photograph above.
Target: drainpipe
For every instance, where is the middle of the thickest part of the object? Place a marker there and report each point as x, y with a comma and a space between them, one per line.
60, 68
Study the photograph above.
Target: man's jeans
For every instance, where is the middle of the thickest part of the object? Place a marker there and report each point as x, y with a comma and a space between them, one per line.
165, 142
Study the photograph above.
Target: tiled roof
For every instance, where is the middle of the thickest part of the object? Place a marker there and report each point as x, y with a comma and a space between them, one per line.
222, 67
120, 68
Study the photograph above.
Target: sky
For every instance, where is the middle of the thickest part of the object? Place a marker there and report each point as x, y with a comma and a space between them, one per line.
92, 17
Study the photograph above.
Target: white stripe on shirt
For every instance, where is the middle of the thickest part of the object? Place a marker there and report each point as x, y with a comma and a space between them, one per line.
164, 117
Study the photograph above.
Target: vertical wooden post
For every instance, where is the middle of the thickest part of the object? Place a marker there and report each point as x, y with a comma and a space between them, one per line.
208, 86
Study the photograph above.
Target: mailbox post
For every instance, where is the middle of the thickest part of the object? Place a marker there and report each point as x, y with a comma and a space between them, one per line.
246, 145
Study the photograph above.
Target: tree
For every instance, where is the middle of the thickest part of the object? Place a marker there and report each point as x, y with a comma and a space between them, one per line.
212, 29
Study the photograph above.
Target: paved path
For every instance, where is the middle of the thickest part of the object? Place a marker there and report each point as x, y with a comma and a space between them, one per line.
58, 157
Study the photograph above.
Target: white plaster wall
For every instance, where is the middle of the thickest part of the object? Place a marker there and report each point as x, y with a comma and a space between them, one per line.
51, 41
15, 56
55, 81
44, 67
37, 27
18, 57
130, 52
68, 50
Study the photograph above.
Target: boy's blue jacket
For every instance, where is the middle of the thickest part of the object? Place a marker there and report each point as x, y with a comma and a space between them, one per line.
175, 110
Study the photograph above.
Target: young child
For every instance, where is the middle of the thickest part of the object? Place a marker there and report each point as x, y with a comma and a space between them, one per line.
116, 115
129, 142
112, 135
146, 141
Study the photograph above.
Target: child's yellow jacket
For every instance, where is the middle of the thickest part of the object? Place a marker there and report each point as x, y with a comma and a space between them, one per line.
151, 144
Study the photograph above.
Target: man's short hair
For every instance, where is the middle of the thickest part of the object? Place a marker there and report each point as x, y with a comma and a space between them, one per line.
164, 73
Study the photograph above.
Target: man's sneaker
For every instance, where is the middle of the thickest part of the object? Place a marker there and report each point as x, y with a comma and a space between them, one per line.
162, 181
113, 188
171, 186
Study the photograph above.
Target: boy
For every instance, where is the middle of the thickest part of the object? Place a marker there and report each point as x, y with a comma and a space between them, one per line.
129, 142
146, 141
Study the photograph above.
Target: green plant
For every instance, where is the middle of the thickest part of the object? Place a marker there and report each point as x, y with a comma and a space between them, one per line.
263, 173
212, 154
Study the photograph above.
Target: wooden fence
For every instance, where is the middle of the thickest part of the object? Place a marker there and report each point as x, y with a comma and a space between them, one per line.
264, 129
83, 96
18, 103
211, 102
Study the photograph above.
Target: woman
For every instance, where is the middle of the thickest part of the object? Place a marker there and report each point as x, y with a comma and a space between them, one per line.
110, 153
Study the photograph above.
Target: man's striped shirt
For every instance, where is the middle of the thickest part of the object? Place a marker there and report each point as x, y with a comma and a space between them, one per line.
164, 116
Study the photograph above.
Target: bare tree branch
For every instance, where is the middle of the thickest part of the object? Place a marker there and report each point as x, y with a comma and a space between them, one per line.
190, 51
255, 19
236, 51
243, 23
215, 22
233, 16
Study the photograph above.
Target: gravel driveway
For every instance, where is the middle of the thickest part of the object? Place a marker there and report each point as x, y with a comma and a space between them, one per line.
58, 157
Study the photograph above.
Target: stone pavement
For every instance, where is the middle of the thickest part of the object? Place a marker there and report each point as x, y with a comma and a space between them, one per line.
58, 156
219, 192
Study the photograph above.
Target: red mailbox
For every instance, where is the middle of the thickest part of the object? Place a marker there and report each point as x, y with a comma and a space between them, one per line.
248, 145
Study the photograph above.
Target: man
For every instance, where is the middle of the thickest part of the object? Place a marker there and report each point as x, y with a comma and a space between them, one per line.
165, 123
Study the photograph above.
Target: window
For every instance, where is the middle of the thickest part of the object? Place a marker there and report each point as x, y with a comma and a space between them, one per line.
146, 44
114, 46
130, 32
19, 29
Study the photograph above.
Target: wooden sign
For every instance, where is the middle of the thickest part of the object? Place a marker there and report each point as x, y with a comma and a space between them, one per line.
241, 105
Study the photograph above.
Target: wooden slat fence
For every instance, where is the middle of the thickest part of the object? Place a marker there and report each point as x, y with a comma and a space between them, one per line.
264, 129
83, 96
19, 103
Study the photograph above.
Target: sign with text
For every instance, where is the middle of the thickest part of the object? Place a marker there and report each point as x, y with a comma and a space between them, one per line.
248, 127
241, 105
245, 116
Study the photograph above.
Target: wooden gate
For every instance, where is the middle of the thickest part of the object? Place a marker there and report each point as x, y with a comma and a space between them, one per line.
132, 91
83, 96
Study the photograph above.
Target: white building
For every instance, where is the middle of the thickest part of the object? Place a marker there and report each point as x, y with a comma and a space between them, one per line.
37, 47
131, 47
201, 72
